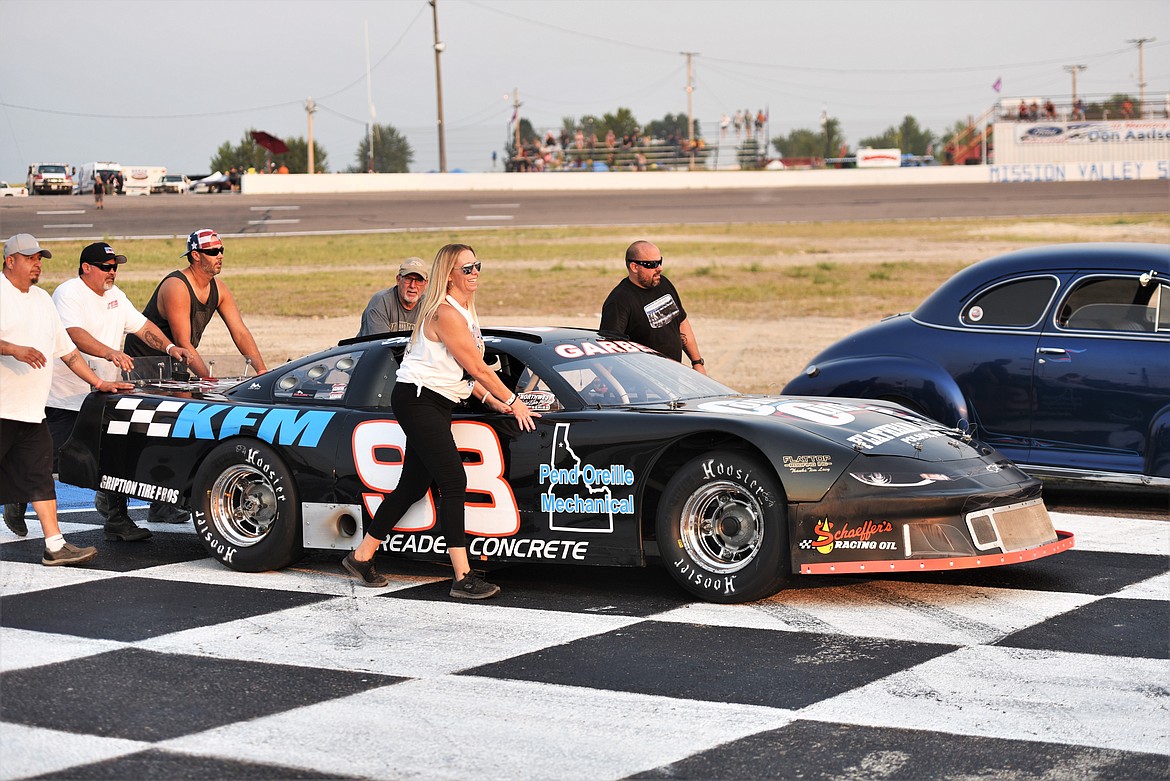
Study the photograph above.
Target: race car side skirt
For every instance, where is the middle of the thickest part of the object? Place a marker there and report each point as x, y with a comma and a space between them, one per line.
1064, 541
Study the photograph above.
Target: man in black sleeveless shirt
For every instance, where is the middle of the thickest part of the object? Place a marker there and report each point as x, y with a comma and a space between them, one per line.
182, 305
185, 301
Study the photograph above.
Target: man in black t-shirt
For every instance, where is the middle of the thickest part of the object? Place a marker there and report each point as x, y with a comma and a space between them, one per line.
646, 307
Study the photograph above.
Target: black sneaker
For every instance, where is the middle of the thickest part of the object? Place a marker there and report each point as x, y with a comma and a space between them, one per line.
365, 572
120, 527
14, 518
472, 586
68, 556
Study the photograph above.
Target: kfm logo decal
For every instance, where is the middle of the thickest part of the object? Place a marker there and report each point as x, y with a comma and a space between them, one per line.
378, 449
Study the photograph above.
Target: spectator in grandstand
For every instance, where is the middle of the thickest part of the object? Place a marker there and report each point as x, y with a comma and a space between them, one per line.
724, 123
1034, 111
1049, 109
646, 308
1079, 109
1127, 109
1022, 113
396, 308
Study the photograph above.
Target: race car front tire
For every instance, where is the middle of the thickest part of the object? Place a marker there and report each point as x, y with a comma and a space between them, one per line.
246, 510
723, 528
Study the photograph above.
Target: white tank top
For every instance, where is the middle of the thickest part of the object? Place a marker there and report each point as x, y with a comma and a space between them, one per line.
430, 364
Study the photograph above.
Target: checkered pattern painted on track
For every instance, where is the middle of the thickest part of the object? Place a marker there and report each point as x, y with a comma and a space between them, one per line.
156, 662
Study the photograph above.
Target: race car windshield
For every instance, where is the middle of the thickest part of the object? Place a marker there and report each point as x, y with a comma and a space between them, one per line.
625, 379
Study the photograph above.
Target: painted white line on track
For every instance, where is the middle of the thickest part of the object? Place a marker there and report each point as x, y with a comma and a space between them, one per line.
272, 222
494, 206
68, 225
488, 217
273, 208
64, 211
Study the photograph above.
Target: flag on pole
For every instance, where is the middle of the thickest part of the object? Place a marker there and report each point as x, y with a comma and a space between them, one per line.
998, 85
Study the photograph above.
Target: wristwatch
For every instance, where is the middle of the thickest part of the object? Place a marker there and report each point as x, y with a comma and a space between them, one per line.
698, 362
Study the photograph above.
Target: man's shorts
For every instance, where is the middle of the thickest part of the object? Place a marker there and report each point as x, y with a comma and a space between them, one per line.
26, 462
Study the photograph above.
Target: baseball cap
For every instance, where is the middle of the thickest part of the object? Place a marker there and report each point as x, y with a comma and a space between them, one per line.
414, 266
24, 244
204, 238
100, 252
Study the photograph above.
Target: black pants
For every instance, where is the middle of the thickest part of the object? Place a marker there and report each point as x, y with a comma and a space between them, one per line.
431, 456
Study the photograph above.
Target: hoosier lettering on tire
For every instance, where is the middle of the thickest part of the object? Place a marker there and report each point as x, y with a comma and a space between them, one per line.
246, 510
723, 530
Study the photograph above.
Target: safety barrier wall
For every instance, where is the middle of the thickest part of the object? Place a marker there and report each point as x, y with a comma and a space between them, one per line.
301, 184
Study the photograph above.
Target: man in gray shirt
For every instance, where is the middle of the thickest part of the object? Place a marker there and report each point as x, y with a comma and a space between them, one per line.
396, 308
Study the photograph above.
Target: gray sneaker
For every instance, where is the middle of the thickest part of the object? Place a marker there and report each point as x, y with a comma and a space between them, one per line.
365, 572
472, 586
14, 518
68, 556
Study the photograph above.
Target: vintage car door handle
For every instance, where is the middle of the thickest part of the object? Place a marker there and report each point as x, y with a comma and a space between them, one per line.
1051, 351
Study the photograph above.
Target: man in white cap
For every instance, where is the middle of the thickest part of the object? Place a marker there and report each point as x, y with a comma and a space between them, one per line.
396, 308
31, 335
182, 305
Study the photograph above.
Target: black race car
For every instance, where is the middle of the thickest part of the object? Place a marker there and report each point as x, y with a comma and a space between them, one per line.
636, 456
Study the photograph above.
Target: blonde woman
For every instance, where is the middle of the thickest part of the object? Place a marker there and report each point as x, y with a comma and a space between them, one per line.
442, 366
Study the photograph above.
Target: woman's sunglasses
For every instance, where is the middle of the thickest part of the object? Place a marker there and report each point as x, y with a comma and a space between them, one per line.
470, 267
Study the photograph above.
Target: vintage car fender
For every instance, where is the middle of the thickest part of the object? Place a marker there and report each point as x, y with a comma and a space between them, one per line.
1158, 447
923, 386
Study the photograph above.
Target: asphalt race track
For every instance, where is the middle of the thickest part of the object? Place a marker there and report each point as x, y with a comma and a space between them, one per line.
73, 217
155, 661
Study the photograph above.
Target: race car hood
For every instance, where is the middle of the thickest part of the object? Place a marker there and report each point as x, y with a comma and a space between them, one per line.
872, 428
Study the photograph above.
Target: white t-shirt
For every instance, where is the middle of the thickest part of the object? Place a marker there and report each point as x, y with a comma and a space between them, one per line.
29, 320
107, 318
431, 365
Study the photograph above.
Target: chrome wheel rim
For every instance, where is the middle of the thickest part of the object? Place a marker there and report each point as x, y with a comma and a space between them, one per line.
722, 527
243, 505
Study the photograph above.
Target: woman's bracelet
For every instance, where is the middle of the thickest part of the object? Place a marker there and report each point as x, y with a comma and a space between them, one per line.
486, 393
167, 349
510, 400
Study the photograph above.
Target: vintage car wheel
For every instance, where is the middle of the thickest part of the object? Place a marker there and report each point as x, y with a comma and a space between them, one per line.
246, 509
723, 528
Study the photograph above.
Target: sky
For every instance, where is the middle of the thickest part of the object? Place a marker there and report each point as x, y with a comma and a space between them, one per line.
166, 82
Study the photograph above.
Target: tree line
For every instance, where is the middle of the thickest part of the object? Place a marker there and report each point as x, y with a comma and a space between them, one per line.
393, 154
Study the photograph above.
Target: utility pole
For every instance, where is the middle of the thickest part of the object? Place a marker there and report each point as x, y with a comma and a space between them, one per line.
516, 115
1141, 42
1074, 69
310, 108
439, 47
370, 105
690, 108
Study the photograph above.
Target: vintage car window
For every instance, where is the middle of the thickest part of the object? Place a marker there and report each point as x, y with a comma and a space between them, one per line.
1017, 304
327, 379
1113, 304
636, 378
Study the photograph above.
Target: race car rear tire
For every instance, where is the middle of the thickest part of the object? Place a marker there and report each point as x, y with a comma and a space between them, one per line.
246, 510
723, 528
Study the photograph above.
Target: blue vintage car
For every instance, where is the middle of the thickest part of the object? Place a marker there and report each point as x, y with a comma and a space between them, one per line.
1058, 356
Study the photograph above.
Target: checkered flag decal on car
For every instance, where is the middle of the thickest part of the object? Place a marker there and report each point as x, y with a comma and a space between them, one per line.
129, 415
